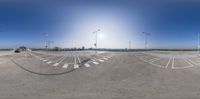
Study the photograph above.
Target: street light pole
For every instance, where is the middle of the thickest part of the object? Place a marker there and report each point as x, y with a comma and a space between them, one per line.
96, 33
198, 43
146, 39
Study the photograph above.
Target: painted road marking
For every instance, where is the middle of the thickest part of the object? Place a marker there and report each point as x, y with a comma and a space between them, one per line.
105, 58
196, 63
189, 62
65, 66
37, 57
49, 62
56, 64
173, 63
154, 59
96, 63
191, 65
78, 59
156, 65
61, 60
168, 62
44, 60
76, 66
87, 65
100, 60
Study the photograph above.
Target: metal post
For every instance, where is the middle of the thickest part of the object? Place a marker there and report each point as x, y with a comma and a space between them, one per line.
198, 44
96, 33
146, 39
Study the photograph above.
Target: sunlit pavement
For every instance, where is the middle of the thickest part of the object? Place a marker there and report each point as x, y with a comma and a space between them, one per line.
121, 75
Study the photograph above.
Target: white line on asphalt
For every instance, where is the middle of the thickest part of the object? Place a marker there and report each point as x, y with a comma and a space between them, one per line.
105, 58
44, 60
36, 56
100, 60
154, 59
168, 62
173, 63
191, 65
188, 62
49, 62
156, 65
96, 63
76, 66
61, 60
56, 64
78, 59
192, 62
182, 67
65, 66
87, 65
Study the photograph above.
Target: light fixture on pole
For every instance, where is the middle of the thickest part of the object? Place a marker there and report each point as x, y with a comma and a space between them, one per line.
198, 44
96, 33
146, 39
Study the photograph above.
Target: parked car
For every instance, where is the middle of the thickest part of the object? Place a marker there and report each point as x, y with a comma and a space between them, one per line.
17, 51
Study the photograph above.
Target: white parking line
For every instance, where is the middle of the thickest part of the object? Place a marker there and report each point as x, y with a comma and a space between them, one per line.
49, 62
192, 62
100, 60
44, 60
65, 66
154, 59
173, 63
96, 63
105, 58
76, 66
78, 59
87, 65
56, 64
189, 62
168, 62
61, 60
35, 56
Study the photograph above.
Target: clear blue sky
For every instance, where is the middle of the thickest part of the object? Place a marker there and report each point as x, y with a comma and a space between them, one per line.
70, 23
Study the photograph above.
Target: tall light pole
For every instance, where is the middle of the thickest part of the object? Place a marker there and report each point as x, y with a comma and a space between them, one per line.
129, 44
47, 42
146, 39
96, 33
198, 43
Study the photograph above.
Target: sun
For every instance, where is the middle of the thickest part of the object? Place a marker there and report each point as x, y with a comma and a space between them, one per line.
101, 36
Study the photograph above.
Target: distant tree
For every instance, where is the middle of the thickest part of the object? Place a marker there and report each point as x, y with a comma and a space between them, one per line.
57, 48
83, 47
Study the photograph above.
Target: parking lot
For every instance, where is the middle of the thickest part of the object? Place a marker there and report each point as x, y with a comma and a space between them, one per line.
173, 61
106, 75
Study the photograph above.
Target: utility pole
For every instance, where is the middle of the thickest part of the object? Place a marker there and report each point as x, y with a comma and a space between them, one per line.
96, 33
47, 42
146, 39
198, 44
